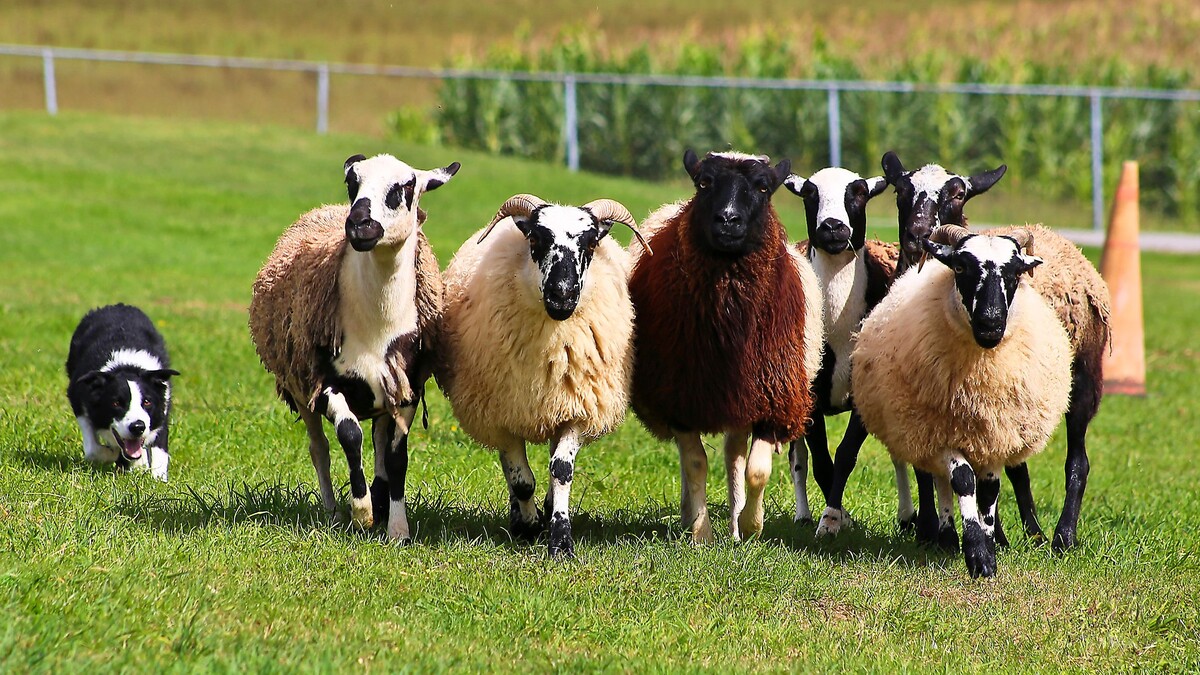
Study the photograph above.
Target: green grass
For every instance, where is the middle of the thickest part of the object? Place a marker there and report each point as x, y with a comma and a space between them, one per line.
231, 566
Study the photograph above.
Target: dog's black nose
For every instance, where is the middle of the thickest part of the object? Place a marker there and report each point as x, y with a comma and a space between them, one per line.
136, 428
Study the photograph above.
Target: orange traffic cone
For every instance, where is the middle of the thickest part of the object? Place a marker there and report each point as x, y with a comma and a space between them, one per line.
1121, 267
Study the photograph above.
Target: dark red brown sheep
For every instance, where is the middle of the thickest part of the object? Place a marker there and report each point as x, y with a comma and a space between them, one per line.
728, 333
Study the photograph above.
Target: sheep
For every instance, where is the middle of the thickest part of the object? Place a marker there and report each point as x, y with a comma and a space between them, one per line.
1077, 293
537, 344
964, 368
854, 275
729, 332
345, 315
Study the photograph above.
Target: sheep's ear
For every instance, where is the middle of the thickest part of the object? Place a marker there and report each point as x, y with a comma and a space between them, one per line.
1028, 262
782, 170
943, 252
691, 163
875, 185
981, 183
352, 182
893, 170
795, 184
439, 177
351, 161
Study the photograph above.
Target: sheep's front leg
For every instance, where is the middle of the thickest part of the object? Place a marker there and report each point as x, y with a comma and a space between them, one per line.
798, 461
906, 515
758, 472
1019, 477
350, 436
318, 450
976, 505
947, 536
563, 451
391, 470
524, 522
835, 516
736, 445
693, 462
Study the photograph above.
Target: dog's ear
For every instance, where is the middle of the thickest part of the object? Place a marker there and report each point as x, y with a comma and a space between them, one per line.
94, 381
161, 375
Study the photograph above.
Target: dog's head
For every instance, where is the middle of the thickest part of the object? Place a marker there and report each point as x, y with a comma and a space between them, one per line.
127, 406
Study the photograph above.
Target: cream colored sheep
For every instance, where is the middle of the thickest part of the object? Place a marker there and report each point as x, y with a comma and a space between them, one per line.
959, 380
537, 343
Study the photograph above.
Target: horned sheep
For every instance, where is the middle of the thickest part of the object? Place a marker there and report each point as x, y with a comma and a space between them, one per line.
932, 196
345, 314
537, 344
729, 332
854, 275
964, 368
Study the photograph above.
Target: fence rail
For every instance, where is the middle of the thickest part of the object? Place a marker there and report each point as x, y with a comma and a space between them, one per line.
570, 81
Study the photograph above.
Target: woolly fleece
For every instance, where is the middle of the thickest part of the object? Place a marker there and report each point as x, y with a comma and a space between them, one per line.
512, 372
924, 387
294, 310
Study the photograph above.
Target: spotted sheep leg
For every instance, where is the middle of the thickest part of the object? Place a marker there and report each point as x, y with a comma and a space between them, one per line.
945, 535
977, 507
390, 438
798, 461
563, 450
693, 462
350, 437
524, 521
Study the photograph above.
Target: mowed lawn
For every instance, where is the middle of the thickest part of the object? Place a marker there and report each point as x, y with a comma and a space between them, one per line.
232, 565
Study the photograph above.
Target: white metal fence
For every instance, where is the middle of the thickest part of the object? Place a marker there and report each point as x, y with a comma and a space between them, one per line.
569, 82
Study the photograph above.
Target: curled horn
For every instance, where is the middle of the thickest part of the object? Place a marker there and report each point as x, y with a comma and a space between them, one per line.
517, 205
944, 234
1024, 239
610, 209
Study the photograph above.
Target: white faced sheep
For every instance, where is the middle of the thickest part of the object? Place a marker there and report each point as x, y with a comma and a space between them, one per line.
537, 344
962, 369
345, 314
1072, 287
728, 332
854, 275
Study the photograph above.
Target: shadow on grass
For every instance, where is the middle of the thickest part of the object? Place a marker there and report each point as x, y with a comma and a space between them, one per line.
435, 518
49, 460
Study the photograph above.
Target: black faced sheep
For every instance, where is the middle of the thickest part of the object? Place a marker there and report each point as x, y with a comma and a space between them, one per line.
345, 314
537, 344
1072, 287
962, 369
854, 275
728, 332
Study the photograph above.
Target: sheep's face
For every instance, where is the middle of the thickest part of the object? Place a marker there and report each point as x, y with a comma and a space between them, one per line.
383, 199
987, 271
929, 197
835, 202
562, 240
733, 196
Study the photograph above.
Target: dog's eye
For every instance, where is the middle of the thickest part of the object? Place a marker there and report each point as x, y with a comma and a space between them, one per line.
146, 405
116, 405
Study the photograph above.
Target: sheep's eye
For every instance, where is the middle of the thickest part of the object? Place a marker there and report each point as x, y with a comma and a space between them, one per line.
393, 198
958, 269
704, 183
763, 189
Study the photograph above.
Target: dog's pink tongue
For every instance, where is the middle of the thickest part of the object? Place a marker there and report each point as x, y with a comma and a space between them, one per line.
132, 448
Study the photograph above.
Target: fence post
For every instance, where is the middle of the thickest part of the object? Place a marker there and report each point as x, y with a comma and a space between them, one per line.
323, 98
1097, 164
835, 128
571, 122
49, 81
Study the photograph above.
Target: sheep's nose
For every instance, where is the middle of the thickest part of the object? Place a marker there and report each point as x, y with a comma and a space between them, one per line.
137, 428
832, 223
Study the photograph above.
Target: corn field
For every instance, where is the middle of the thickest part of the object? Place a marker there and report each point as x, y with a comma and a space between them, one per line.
642, 130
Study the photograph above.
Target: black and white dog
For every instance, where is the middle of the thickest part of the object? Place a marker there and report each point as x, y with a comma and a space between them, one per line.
120, 388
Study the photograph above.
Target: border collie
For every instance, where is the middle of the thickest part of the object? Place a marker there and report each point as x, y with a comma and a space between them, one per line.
120, 389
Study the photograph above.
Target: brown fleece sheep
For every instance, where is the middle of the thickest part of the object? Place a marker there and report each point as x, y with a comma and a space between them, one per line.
727, 338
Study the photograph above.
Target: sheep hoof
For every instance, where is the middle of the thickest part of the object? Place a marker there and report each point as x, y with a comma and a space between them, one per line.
927, 530
524, 530
362, 515
379, 499
908, 524
979, 551
947, 538
702, 530
803, 520
1063, 540
562, 545
832, 521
